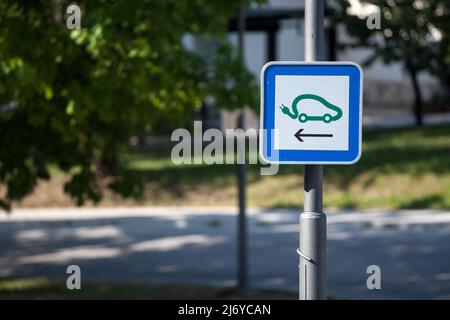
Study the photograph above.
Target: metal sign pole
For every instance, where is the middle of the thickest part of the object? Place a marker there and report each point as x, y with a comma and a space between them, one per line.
242, 181
313, 223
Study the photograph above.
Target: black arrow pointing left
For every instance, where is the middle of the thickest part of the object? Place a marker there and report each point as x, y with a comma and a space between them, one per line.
299, 135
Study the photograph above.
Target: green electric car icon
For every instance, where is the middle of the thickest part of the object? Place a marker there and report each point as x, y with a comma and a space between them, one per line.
333, 112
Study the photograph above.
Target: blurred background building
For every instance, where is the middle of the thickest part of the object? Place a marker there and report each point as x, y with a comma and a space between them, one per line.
275, 32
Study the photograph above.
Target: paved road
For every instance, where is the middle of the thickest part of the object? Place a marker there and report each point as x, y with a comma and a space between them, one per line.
198, 245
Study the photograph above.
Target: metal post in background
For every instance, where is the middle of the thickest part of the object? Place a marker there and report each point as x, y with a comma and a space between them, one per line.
313, 225
242, 177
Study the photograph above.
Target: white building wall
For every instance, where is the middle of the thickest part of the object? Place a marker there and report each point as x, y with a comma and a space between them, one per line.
387, 88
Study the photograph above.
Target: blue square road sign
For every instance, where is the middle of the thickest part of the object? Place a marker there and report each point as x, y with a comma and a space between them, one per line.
311, 112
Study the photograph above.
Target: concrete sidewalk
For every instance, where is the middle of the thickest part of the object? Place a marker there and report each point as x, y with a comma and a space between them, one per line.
198, 245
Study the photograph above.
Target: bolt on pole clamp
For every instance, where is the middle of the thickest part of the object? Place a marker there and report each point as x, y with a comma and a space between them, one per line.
303, 256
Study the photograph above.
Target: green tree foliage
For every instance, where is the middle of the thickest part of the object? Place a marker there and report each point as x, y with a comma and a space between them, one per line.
439, 65
410, 34
79, 95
